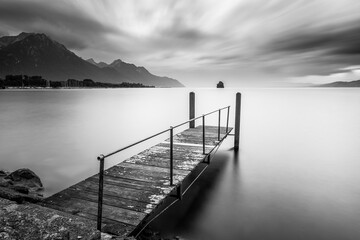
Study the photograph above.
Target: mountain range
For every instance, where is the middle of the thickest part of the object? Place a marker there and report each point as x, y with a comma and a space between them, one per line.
37, 54
341, 84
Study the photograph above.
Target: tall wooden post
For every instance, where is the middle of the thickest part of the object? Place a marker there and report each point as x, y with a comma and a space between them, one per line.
237, 121
100, 193
192, 109
171, 156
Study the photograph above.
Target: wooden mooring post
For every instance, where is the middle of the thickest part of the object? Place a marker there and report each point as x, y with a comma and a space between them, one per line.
191, 109
101, 190
237, 121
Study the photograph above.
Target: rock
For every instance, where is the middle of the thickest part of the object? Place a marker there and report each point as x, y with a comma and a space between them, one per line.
4, 235
150, 234
33, 222
3, 173
21, 189
116, 229
4, 182
11, 207
105, 236
21, 185
220, 85
25, 178
11, 194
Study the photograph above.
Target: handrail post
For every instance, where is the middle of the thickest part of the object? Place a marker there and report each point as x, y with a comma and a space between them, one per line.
101, 189
192, 109
237, 122
203, 136
171, 155
227, 119
219, 125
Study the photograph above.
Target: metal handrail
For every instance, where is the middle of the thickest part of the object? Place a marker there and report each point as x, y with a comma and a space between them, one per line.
129, 146
164, 131
102, 157
193, 119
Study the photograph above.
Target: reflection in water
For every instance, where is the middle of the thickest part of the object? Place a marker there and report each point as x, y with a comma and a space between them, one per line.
223, 204
184, 214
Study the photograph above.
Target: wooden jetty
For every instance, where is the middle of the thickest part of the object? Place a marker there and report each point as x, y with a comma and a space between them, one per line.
124, 198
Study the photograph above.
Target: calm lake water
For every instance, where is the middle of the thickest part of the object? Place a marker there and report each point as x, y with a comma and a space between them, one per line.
297, 174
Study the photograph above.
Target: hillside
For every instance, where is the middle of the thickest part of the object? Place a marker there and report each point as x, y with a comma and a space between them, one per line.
341, 84
37, 54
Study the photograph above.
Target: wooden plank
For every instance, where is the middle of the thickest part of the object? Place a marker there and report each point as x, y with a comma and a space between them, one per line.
109, 225
198, 132
164, 149
194, 135
187, 164
159, 179
176, 156
185, 139
124, 182
152, 169
86, 194
212, 129
146, 196
77, 213
183, 148
190, 144
164, 152
115, 213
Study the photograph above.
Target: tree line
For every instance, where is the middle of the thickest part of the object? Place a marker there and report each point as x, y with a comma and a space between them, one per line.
25, 81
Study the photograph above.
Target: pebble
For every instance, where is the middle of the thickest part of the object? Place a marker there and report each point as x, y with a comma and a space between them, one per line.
4, 235
11, 207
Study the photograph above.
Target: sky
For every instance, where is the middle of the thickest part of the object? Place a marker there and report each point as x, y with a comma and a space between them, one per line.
201, 42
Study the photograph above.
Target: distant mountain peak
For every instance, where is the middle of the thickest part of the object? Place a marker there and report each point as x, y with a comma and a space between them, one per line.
92, 61
100, 64
355, 83
6, 40
117, 62
24, 35
142, 70
120, 65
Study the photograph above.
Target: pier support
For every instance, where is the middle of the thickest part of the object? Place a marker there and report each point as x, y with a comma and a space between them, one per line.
192, 109
237, 121
100, 193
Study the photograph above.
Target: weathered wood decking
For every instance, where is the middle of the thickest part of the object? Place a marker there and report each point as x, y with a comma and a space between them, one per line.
138, 188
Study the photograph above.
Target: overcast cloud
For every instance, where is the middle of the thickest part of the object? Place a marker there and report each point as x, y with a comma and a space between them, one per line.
201, 42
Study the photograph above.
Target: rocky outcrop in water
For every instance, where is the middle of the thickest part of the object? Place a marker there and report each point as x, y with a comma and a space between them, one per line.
220, 85
20, 185
25, 178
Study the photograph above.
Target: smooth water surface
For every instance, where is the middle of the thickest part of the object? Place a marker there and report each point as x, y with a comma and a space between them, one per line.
59, 133
296, 175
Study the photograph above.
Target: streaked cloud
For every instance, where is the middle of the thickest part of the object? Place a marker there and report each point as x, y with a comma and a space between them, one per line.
322, 79
202, 40
350, 68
